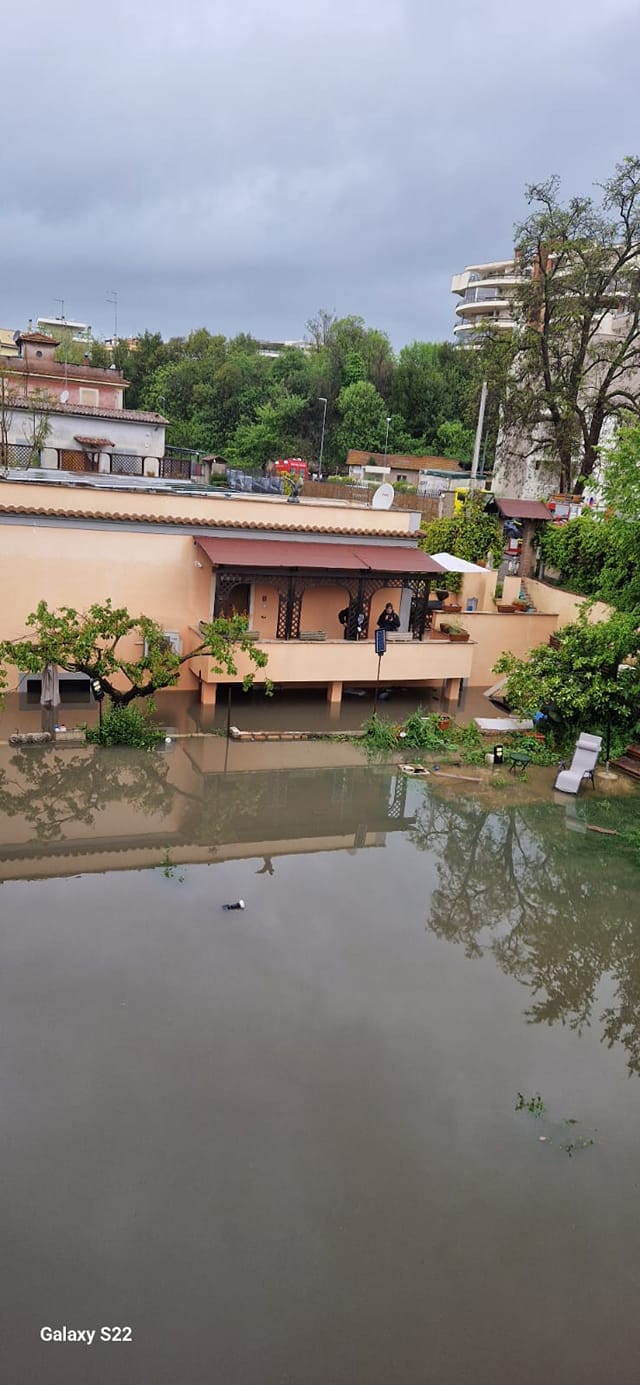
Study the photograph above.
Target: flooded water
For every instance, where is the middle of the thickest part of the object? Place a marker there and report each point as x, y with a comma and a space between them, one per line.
288, 710
281, 1145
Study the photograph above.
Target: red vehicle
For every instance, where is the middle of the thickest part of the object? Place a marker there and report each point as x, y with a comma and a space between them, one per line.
293, 466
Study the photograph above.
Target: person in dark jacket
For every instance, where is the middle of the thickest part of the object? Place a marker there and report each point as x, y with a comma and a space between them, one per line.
354, 622
388, 620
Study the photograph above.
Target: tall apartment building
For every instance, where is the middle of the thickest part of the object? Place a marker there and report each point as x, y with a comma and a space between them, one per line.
486, 293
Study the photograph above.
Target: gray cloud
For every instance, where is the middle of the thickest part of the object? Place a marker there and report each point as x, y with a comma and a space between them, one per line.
236, 165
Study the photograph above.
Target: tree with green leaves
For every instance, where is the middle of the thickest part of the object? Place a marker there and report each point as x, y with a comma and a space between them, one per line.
435, 385
581, 684
620, 464
575, 355
597, 556
363, 417
97, 642
470, 533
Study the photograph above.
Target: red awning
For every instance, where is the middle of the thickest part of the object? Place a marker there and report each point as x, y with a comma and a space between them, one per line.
523, 509
336, 557
94, 444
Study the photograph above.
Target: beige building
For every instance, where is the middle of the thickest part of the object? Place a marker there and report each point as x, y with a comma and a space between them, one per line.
185, 557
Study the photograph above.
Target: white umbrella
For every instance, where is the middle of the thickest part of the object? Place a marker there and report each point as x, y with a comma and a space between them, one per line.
50, 694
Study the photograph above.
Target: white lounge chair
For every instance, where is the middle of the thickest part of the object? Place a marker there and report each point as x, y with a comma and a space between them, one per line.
585, 759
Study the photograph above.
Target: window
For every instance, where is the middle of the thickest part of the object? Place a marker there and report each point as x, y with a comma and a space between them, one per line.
88, 396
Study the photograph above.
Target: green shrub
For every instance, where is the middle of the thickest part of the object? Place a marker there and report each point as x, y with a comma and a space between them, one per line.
379, 735
125, 726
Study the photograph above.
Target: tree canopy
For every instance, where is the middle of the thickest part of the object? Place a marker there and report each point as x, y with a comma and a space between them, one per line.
470, 533
225, 396
580, 684
96, 642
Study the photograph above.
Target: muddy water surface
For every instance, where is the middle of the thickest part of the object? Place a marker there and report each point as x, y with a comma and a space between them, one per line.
280, 1144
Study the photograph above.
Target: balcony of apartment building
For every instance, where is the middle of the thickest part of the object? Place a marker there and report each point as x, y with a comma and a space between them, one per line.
313, 609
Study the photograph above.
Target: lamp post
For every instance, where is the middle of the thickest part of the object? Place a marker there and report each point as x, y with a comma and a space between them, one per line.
386, 441
324, 419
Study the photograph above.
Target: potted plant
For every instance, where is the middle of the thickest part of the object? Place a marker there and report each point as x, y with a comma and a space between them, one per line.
457, 633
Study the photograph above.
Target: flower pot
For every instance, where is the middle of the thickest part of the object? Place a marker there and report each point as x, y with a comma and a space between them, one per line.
453, 606
460, 638
505, 606
520, 606
444, 723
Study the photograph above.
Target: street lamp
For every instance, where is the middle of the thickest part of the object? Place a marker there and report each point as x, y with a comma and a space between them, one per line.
324, 419
386, 441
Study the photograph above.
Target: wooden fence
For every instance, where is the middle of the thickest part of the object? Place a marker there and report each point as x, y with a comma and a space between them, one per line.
427, 505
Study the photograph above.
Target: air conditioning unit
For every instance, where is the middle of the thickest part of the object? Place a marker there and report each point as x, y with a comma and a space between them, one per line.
173, 638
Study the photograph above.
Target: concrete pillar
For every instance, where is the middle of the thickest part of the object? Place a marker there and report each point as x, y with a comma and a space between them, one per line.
334, 694
208, 694
451, 690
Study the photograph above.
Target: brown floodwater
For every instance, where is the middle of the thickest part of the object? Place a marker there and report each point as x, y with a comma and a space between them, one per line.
280, 1144
287, 710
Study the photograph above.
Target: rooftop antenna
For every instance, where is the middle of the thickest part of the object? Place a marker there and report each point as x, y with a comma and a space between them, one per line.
61, 302
112, 297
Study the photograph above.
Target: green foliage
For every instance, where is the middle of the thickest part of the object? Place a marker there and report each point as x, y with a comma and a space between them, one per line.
363, 417
434, 389
424, 732
169, 869
89, 642
599, 557
126, 725
621, 471
222, 396
579, 684
454, 440
379, 735
470, 534
534, 1104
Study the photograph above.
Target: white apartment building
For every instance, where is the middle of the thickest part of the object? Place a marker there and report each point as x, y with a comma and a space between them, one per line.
486, 293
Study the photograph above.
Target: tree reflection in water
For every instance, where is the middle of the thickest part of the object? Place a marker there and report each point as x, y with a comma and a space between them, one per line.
53, 790
555, 909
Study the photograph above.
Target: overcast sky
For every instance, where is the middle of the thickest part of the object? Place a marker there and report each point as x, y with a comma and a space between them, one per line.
237, 164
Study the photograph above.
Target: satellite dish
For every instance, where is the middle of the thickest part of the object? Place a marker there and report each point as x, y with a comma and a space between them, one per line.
383, 498
64, 397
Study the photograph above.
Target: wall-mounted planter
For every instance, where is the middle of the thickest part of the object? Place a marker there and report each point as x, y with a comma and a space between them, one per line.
505, 606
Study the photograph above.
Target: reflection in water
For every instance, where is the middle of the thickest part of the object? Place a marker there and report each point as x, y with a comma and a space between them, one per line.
95, 801
555, 910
